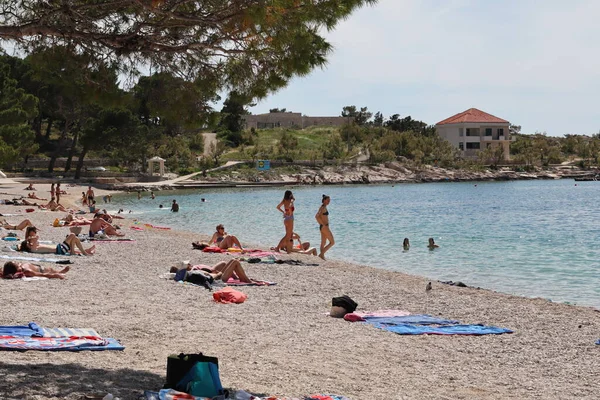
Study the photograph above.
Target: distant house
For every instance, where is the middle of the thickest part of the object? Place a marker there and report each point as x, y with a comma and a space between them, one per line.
474, 130
289, 120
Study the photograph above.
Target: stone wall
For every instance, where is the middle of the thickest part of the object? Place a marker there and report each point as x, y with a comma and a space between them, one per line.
290, 120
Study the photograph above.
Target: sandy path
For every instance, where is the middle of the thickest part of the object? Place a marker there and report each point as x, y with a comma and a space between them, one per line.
279, 341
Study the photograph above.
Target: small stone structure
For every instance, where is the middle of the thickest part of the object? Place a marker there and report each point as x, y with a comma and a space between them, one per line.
290, 120
161, 165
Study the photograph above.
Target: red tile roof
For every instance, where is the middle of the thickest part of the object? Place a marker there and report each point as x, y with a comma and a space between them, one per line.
472, 115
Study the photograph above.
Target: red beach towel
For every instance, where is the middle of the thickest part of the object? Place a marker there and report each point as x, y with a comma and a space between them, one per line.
229, 295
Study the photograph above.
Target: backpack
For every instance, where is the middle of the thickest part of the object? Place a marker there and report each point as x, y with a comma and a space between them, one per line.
195, 374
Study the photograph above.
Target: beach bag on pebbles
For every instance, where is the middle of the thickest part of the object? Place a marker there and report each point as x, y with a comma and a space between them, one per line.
195, 374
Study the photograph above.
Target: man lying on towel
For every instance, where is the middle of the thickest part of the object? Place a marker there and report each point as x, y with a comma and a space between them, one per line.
14, 270
222, 270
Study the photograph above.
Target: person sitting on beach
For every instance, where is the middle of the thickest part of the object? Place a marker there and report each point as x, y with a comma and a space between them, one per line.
30, 187
432, 244
301, 247
53, 206
19, 227
70, 245
406, 244
223, 240
13, 269
99, 224
33, 196
220, 271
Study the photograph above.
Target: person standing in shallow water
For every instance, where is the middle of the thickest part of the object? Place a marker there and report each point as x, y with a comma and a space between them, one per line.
322, 218
175, 206
288, 220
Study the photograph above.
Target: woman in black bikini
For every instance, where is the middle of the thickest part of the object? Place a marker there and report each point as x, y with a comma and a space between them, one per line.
71, 245
322, 218
223, 240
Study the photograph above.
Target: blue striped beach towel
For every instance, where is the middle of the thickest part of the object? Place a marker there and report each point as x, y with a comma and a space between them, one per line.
67, 332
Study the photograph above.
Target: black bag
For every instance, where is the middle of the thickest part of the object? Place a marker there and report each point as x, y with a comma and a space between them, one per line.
199, 278
179, 365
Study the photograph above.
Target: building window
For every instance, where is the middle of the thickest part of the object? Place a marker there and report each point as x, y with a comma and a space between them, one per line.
473, 146
488, 131
500, 132
461, 131
461, 146
468, 131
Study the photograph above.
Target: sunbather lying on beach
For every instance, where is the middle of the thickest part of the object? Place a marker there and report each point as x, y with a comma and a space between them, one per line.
23, 202
22, 225
222, 270
71, 220
223, 240
30, 187
70, 245
99, 224
30, 270
53, 206
33, 196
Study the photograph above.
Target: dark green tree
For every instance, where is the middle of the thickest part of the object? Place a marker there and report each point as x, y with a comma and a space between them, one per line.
378, 119
232, 124
17, 110
360, 117
253, 46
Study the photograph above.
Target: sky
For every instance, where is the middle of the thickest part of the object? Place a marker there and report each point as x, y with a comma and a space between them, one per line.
533, 63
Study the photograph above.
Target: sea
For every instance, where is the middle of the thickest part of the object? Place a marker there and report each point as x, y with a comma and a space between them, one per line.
529, 238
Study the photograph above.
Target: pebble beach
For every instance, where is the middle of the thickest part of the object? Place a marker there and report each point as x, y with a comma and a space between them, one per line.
281, 341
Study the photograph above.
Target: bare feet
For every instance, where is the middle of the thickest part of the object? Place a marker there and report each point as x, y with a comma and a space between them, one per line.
322, 256
65, 270
90, 251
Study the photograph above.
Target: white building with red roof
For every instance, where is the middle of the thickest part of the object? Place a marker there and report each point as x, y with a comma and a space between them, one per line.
474, 130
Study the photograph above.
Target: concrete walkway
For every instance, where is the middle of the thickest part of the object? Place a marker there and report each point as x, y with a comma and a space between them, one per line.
170, 182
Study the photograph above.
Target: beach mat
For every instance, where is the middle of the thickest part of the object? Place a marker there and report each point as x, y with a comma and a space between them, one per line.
24, 258
255, 282
475, 330
67, 332
417, 319
32, 329
111, 240
74, 343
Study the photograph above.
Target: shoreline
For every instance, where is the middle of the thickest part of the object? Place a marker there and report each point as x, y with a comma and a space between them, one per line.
389, 173
278, 341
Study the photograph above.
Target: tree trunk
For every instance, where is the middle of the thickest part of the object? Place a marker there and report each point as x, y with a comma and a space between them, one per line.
49, 128
72, 151
37, 128
80, 162
59, 147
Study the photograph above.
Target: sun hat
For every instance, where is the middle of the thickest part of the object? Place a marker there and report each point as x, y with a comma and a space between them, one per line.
183, 264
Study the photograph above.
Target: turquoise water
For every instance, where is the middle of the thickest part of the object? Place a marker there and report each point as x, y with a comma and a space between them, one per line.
531, 238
